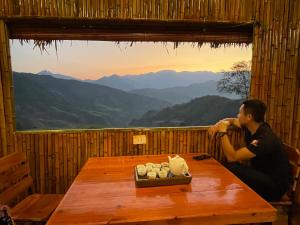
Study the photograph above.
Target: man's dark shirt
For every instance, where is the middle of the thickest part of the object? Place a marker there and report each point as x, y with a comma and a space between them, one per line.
270, 159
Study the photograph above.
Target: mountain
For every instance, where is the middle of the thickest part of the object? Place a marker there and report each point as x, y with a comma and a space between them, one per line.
178, 95
56, 75
115, 81
205, 110
158, 80
44, 102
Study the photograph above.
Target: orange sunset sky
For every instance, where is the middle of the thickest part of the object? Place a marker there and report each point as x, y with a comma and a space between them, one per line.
94, 59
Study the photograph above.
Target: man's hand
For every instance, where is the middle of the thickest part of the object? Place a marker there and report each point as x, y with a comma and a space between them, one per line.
236, 122
221, 126
212, 131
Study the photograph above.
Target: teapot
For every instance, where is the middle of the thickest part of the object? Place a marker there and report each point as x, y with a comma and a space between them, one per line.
178, 165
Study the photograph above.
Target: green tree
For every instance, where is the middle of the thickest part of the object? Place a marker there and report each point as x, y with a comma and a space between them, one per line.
237, 80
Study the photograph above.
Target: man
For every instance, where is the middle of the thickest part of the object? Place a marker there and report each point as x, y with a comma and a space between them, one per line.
268, 174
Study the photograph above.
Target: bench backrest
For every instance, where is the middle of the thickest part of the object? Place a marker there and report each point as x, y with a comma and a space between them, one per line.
15, 177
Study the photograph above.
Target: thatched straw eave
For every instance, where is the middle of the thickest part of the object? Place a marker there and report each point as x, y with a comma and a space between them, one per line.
216, 34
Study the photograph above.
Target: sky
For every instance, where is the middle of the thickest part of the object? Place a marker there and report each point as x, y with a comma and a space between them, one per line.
95, 59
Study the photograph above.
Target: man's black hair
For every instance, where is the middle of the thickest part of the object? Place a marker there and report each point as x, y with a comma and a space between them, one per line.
256, 108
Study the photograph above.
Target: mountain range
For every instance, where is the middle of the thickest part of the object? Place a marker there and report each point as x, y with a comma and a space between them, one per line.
184, 86
55, 101
177, 95
45, 102
158, 80
203, 111
56, 75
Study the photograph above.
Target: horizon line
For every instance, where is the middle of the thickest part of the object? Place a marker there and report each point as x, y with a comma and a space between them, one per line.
120, 75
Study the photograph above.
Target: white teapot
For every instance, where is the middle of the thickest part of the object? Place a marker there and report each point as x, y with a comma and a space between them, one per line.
178, 165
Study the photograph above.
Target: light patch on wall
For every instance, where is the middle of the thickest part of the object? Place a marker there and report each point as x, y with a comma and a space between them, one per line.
139, 139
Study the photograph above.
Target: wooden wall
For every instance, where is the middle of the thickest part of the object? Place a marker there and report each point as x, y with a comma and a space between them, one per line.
276, 67
204, 10
56, 157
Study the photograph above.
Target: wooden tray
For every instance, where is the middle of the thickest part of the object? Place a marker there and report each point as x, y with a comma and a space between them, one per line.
143, 181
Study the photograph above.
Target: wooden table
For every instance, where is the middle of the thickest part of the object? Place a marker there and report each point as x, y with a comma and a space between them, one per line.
104, 192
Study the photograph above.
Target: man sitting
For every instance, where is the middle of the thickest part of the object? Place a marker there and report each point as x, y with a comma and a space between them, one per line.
268, 173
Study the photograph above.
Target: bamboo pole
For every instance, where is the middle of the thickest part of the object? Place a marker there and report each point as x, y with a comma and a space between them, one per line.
7, 110
3, 150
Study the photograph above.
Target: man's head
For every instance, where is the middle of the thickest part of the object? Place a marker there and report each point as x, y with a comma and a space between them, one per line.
252, 111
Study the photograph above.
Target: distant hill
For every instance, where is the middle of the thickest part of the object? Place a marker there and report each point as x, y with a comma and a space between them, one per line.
205, 110
44, 102
158, 80
177, 95
56, 75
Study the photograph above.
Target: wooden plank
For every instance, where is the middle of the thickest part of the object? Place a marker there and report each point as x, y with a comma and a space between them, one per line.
65, 160
71, 174
155, 140
42, 162
105, 151
61, 163
79, 152
36, 207
13, 176
7, 196
101, 143
131, 146
56, 159
171, 146
32, 164
11, 160
75, 156
109, 143
49, 158
113, 137
167, 141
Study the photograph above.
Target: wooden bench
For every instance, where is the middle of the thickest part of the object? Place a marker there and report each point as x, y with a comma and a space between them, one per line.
15, 179
288, 201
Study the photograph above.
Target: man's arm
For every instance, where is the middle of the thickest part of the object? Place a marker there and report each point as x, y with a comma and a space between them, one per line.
233, 155
233, 121
215, 128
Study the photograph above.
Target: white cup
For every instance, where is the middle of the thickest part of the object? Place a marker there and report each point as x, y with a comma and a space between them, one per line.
162, 174
156, 170
142, 171
167, 169
140, 166
157, 165
149, 168
150, 164
151, 175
